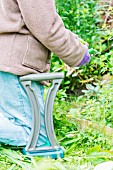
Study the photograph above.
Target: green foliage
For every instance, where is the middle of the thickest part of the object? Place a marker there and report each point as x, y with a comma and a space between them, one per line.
79, 16
85, 19
98, 100
89, 144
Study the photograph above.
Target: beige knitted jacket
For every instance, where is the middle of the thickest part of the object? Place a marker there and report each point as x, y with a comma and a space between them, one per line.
29, 31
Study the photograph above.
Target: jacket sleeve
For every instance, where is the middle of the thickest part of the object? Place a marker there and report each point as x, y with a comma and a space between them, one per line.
46, 25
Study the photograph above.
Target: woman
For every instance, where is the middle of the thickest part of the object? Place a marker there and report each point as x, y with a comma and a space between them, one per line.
29, 31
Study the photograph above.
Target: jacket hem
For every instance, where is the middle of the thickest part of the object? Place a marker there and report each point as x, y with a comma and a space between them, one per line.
18, 71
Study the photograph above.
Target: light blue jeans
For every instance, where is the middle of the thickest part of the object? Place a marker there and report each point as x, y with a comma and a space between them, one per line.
15, 111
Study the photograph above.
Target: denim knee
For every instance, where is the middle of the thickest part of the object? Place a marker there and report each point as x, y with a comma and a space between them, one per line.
15, 104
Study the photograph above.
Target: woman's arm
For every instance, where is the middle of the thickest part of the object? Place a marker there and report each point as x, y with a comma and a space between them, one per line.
46, 25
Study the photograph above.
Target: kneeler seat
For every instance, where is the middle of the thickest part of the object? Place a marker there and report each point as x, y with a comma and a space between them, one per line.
53, 150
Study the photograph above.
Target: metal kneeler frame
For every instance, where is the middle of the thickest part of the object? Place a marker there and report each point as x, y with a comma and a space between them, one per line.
52, 149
